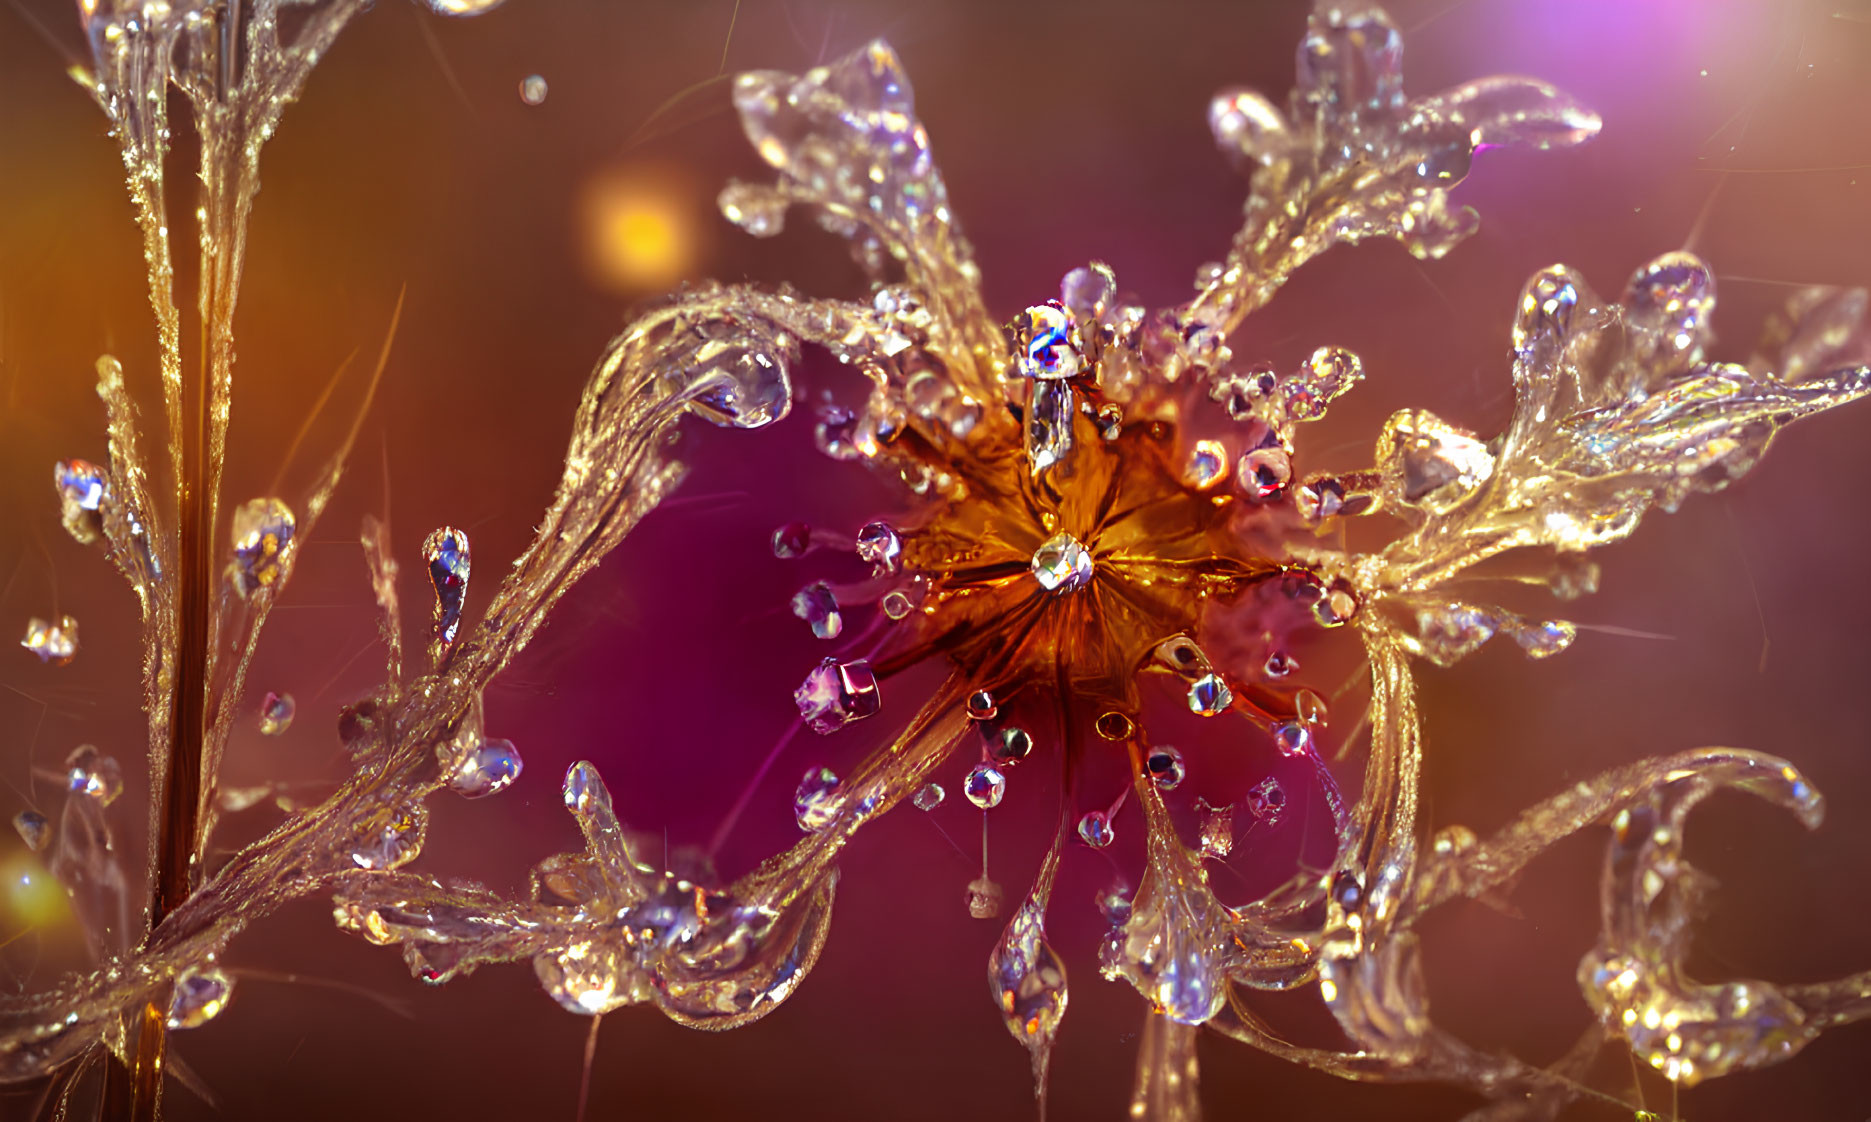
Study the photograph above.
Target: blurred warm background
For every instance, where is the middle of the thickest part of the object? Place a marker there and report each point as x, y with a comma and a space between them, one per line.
525, 218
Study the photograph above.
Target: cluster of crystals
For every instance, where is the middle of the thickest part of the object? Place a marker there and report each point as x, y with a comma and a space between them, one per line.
55, 643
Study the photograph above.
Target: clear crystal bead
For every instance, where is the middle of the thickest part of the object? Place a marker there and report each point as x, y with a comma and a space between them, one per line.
449, 559
276, 712
1209, 696
1062, 564
488, 768
816, 801
985, 786
817, 606
88, 772
199, 995
1094, 829
881, 546
836, 693
262, 531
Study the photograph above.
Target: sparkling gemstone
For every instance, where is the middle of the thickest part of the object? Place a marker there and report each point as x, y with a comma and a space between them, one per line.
928, 796
82, 486
817, 606
33, 828
489, 768
200, 994
1049, 348
881, 545
276, 711
1544, 640
1062, 564
1264, 473
262, 531
1049, 424
985, 786
1267, 800
1319, 499
792, 540
446, 553
816, 801
1208, 464
1094, 829
1209, 695
87, 772
1165, 767
982, 706
55, 643
836, 693
1011, 744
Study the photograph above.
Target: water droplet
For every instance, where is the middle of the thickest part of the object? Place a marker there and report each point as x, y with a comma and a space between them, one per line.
1544, 318
1095, 830
276, 711
1011, 745
262, 532
1109, 421
87, 772
1310, 708
1264, 473
489, 768
983, 898
879, 544
396, 841
1027, 978
1114, 904
82, 486
1218, 831
1670, 300
462, 7
754, 207
816, 801
1434, 465
1048, 342
1049, 424
1247, 125
1350, 60
1165, 767
792, 540
1279, 664
56, 644
199, 995
982, 706
1319, 499
1208, 464
837, 693
1546, 639
446, 553
1180, 654
737, 380
1114, 726
836, 433
817, 606
533, 89
1267, 801
1209, 696
899, 602
1062, 564
1292, 738
33, 829
1328, 374
928, 796
985, 786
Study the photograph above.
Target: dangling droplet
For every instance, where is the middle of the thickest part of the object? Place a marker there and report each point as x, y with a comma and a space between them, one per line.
792, 540
1292, 738
985, 786
1049, 424
1062, 564
276, 711
1209, 696
1545, 639
82, 486
1027, 978
262, 532
1207, 466
533, 89
1267, 801
1310, 708
1048, 342
1218, 831
1165, 767
983, 898
446, 553
1095, 830
881, 546
33, 828
199, 995
1114, 904
1670, 300
837, 693
982, 706
87, 772
1088, 290
398, 841
489, 768
817, 606
816, 801
1011, 745
56, 644
928, 796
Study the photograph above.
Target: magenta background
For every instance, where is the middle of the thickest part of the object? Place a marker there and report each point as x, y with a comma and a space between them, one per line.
1066, 132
